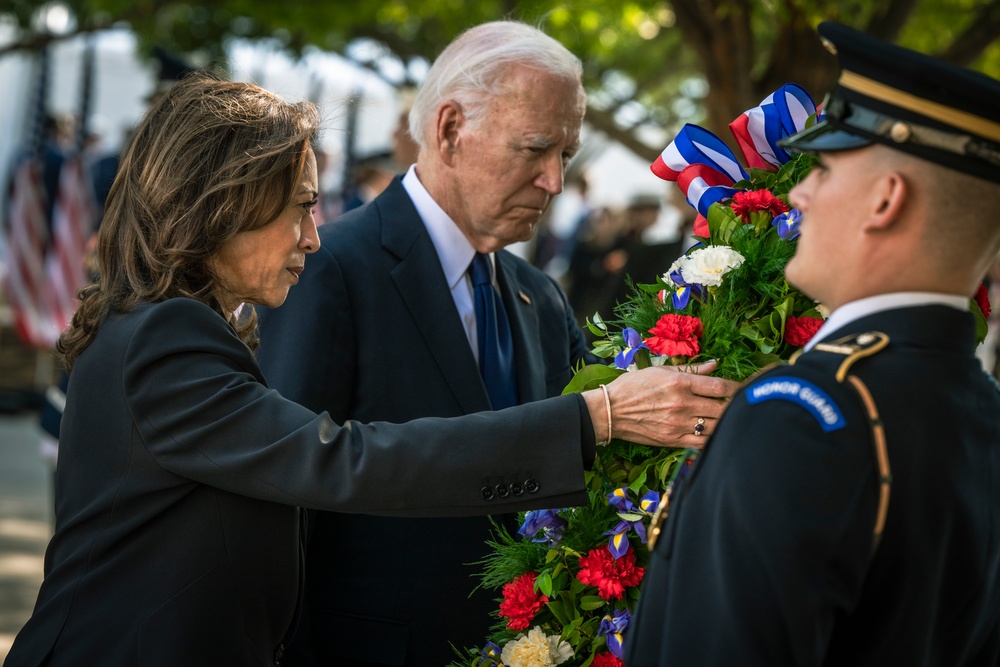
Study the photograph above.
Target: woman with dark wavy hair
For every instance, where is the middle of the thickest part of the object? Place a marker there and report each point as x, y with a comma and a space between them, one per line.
180, 473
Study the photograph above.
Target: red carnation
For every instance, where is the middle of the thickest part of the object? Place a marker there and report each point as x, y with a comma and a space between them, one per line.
746, 202
611, 576
675, 336
606, 660
521, 602
983, 300
800, 330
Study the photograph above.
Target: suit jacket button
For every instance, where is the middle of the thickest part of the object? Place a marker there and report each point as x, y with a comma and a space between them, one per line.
502, 490
531, 485
487, 493
516, 488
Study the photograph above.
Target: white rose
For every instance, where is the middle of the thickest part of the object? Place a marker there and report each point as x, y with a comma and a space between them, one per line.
707, 266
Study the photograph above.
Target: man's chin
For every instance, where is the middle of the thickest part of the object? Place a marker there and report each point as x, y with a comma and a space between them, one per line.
795, 276
529, 231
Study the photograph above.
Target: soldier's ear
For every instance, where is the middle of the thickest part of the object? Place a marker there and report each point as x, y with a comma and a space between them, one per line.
450, 121
889, 194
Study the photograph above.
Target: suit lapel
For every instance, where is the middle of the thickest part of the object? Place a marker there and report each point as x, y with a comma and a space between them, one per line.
420, 281
523, 315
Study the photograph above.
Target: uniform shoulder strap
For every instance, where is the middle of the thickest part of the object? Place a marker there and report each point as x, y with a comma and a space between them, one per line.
852, 348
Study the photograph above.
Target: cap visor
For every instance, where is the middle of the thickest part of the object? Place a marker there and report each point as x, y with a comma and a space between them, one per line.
824, 136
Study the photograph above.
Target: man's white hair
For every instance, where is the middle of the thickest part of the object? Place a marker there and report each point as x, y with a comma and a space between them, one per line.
471, 69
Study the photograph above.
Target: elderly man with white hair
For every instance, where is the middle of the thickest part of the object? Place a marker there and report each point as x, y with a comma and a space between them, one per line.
413, 308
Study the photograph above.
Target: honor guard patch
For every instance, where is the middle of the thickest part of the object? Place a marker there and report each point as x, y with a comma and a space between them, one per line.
806, 394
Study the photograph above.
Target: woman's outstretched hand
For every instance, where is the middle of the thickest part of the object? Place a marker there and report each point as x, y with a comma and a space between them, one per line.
666, 406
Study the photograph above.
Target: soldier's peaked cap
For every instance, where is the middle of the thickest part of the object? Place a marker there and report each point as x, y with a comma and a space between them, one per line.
907, 100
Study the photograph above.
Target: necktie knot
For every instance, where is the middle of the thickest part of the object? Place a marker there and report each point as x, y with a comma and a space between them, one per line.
482, 271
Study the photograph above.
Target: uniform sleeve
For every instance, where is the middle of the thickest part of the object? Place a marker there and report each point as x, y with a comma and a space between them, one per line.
202, 415
768, 543
295, 353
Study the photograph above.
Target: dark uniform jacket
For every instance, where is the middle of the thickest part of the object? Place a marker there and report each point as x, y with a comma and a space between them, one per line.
767, 557
372, 333
180, 472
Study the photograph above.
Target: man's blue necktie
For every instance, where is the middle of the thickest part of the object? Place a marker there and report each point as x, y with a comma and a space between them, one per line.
496, 347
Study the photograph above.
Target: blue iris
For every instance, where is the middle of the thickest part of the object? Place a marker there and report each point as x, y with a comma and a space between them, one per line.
489, 657
546, 522
685, 290
630, 519
633, 343
788, 224
612, 627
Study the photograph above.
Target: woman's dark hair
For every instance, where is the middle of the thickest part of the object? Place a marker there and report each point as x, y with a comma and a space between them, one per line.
211, 159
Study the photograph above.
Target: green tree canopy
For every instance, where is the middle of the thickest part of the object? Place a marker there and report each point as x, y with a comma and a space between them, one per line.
649, 65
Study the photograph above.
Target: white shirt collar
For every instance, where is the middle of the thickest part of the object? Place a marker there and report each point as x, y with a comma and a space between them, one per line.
453, 249
855, 310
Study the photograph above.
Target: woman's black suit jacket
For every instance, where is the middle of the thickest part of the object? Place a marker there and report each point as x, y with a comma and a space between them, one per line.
177, 532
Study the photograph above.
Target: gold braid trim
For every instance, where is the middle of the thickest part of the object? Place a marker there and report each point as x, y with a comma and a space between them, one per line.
881, 340
881, 458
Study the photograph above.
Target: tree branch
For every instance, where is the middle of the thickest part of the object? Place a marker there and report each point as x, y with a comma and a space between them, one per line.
604, 122
886, 25
982, 31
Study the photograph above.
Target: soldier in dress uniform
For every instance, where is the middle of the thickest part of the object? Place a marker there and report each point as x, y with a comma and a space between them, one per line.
847, 509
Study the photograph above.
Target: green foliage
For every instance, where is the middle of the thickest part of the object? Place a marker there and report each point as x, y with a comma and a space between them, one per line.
646, 63
744, 318
743, 327
509, 557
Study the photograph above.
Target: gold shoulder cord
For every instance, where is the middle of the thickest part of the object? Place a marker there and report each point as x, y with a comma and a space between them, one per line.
881, 458
854, 349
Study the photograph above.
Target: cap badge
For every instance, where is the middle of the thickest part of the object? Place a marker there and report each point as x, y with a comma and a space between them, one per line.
900, 132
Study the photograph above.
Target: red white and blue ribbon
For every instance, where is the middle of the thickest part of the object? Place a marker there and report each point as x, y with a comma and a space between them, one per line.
757, 131
696, 145
706, 169
703, 185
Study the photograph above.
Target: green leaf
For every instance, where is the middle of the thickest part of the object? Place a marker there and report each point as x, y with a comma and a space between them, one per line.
761, 359
591, 377
592, 602
760, 220
722, 223
750, 331
558, 610
544, 584
605, 349
642, 359
597, 326
982, 327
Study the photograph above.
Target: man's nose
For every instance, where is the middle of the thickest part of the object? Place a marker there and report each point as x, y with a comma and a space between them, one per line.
551, 177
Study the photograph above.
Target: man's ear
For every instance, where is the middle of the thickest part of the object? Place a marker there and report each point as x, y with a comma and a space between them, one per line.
450, 121
888, 197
